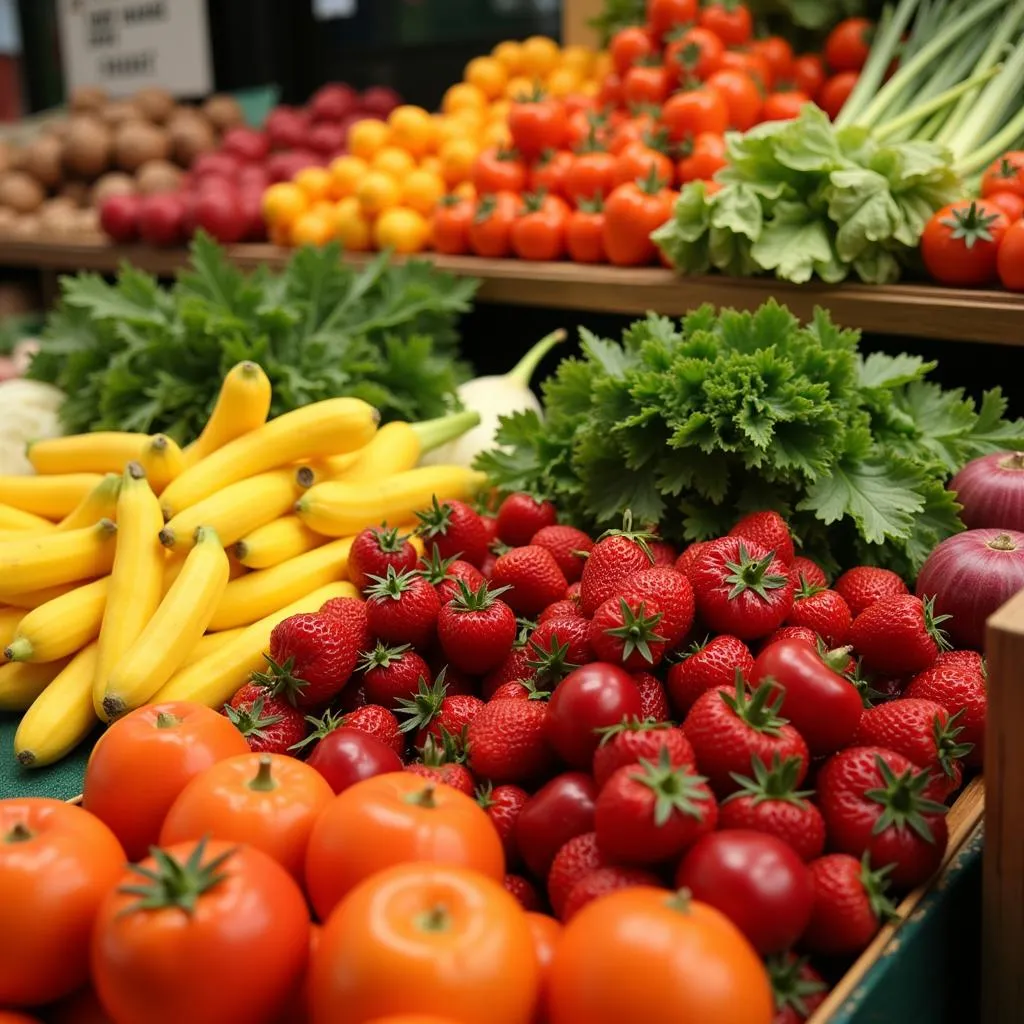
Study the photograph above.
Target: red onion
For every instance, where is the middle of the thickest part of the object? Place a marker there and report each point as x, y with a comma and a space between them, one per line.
971, 575
991, 490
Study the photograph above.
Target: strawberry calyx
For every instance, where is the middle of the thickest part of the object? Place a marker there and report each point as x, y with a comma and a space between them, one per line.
448, 750
551, 663
630, 724
752, 574
876, 888
677, 657
425, 705
641, 538
869, 696
382, 656
322, 728
932, 623
945, 735
638, 630
389, 540
790, 986
252, 721
757, 709
176, 883
903, 802
279, 679
674, 789
478, 600
777, 783
807, 589
436, 520
435, 568
392, 586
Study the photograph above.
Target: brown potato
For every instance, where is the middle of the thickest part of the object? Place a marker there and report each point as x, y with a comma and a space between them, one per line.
224, 112
114, 183
138, 142
117, 112
76, 191
155, 104
43, 160
158, 176
190, 134
87, 97
21, 192
87, 146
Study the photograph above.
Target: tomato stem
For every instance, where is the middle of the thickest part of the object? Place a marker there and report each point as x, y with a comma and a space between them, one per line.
423, 798
264, 781
165, 720
679, 901
20, 833
436, 919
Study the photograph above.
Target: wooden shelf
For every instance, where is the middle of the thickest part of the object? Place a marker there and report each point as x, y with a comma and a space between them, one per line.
909, 310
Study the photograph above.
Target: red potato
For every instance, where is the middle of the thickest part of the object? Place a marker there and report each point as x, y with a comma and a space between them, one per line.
246, 144
327, 138
287, 127
379, 101
284, 166
162, 219
333, 101
219, 164
119, 218
221, 215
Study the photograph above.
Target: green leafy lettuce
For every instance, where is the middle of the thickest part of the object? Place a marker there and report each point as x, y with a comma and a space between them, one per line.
133, 355
692, 425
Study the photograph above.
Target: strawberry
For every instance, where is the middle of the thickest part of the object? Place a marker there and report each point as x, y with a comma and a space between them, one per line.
850, 905
443, 574
602, 882
519, 690
671, 593
769, 530
351, 612
797, 987
402, 608
576, 859
456, 681
564, 609
876, 801
863, 585
524, 891
520, 516
958, 684
488, 564
312, 655
616, 556
558, 646
269, 724
707, 666
653, 698
684, 563
476, 629
803, 570
572, 593
770, 802
899, 635
433, 712
802, 633
822, 610
503, 804
663, 554
741, 588
568, 546
490, 525
639, 739
514, 667
440, 763
374, 549
728, 729
505, 741
372, 719
391, 673
532, 576
455, 529
626, 631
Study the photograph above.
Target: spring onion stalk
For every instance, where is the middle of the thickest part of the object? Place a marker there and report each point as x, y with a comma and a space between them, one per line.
887, 39
1007, 138
937, 103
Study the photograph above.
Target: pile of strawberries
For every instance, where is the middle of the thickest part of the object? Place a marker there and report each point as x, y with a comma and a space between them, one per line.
720, 719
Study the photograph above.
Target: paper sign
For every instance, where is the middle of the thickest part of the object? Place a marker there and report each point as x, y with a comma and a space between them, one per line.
324, 10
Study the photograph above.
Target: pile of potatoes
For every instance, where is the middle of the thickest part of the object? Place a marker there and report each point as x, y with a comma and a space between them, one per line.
54, 184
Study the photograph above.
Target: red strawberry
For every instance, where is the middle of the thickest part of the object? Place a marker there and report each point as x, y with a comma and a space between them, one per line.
519, 691
440, 763
850, 905
524, 891
391, 673
557, 646
822, 610
374, 549
626, 631
563, 609
533, 576
503, 804
506, 742
572, 593
770, 802
635, 740
514, 667
372, 719
490, 527
443, 574
569, 547
653, 698
898, 635
433, 712
663, 553
488, 564
269, 724
769, 530
456, 529
708, 666
311, 654
602, 882
803, 633
455, 680
958, 684
876, 801
612, 560
520, 516
351, 613
727, 730
684, 563
803, 570
797, 987
402, 608
576, 859
863, 585
476, 629
671, 593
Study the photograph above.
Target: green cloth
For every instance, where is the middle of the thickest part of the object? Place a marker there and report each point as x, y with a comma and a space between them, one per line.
62, 780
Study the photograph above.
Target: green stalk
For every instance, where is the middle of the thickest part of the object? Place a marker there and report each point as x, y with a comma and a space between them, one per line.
434, 433
522, 373
887, 39
1003, 140
944, 99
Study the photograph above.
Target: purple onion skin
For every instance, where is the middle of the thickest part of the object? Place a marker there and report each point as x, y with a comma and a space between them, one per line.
991, 490
971, 575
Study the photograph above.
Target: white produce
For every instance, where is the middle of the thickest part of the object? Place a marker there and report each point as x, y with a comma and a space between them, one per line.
28, 411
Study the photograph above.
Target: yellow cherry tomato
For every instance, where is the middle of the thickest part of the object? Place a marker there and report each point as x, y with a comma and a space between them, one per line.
313, 228
351, 227
562, 82
472, 121
433, 164
602, 66
393, 160
281, 234
520, 88
451, 126
539, 56
497, 134
421, 191
465, 190
579, 58
377, 192
488, 75
283, 203
412, 128
510, 53
457, 159
346, 172
401, 229
498, 111
461, 96
316, 182
366, 137
590, 88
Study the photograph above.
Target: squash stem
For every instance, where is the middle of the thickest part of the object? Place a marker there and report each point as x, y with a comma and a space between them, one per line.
434, 433
522, 373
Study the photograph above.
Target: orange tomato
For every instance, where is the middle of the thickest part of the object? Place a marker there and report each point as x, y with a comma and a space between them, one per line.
563, 82
402, 230
83, 1007
269, 801
651, 955
546, 933
280, 234
9, 1017
496, 133
432, 164
462, 96
313, 228
283, 203
351, 227
413, 129
57, 863
377, 192
426, 938
346, 173
510, 53
465, 190
422, 190
366, 137
488, 74
538, 56
412, 1018
230, 906
520, 88
579, 58
144, 760
315, 182
393, 160
394, 819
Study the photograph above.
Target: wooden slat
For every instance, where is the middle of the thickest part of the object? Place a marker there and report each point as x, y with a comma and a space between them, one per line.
576, 18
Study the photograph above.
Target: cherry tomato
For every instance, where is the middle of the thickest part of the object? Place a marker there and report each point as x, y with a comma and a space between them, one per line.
634, 129
269, 801
1004, 175
346, 756
1010, 203
689, 113
609, 94
808, 73
693, 56
960, 243
848, 44
450, 225
1010, 262
144, 760
731, 22
537, 124
592, 174
629, 46
590, 698
705, 158
539, 231
239, 906
645, 84
57, 863
556, 813
497, 170
584, 232
644, 954
550, 172
836, 91
639, 161
753, 64
83, 1007
741, 95
779, 55
783, 106
391, 819
665, 16
631, 213
580, 125
426, 938
546, 932
490, 232
756, 880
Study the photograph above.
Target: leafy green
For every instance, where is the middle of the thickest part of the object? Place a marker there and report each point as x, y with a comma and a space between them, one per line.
135, 356
691, 425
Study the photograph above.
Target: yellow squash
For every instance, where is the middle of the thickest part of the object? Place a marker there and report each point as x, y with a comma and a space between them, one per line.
54, 559
13, 520
106, 451
99, 503
61, 626
29, 599
210, 642
51, 497
162, 461
276, 542
22, 681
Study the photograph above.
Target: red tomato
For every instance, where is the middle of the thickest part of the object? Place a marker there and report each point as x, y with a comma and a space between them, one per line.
836, 91
629, 46
57, 863
539, 231
705, 158
665, 15
346, 756
741, 95
634, 129
559, 811
9, 1017
145, 759
753, 64
731, 22
783, 106
960, 244
550, 171
584, 233
632, 212
239, 907
779, 55
639, 161
848, 44
1010, 203
546, 932
610, 92
693, 56
591, 175
756, 880
449, 230
537, 124
645, 84
808, 73
689, 113
1004, 175
1010, 262
83, 1007
498, 170
579, 127
491, 230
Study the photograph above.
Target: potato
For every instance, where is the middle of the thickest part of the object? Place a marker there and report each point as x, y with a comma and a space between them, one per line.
190, 134
138, 142
87, 97
87, 146
43, 160
224, 112
115, 183
117, 112
155, 104
76, 191
158, 176
26, 226
56, 216
21, 192
7, 219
